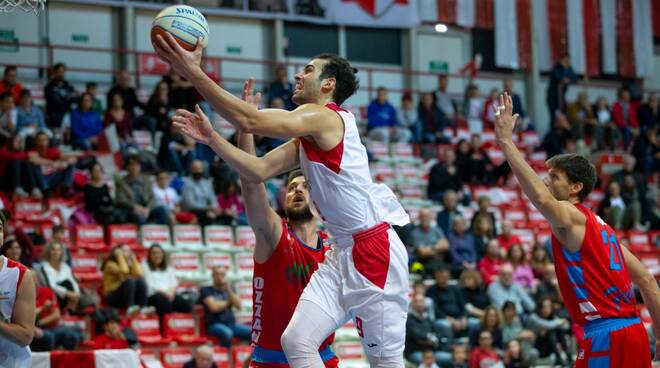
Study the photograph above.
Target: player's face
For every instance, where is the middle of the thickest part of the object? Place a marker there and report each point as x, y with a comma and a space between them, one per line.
558, 184
297, 200
308, 87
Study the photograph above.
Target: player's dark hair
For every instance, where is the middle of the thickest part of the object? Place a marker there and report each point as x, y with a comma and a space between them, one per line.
292, 175
577, 169
9, 68
339, 68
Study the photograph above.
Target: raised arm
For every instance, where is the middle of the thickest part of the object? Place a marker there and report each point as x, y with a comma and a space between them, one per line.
561, 214
648, 287
265, 223
255, 169
269, 122
20, 329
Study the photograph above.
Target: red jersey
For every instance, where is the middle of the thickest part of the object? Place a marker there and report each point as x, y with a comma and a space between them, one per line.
276, 287
594, 280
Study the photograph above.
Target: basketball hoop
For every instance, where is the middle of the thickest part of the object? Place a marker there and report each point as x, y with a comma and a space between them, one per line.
27, 6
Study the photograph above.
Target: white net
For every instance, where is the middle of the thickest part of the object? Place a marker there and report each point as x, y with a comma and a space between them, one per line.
35, 6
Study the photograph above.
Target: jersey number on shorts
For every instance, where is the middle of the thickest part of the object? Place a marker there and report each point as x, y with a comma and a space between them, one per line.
616, 259
358, 325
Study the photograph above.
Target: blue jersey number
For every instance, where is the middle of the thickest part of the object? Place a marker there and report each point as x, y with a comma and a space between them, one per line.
616, 260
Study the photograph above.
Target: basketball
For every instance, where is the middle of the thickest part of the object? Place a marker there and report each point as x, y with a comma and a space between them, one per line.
184, 22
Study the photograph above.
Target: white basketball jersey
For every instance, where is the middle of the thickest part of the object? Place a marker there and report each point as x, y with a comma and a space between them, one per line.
11, 274
341, 188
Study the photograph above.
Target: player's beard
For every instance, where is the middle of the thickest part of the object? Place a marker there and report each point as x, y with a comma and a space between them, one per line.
299, 214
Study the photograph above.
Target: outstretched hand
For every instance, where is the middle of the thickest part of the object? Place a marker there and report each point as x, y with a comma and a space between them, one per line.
505, 121
182, 61
248, 96
194, 125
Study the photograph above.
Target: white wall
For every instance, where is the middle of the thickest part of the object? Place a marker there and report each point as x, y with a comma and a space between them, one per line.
96, 22
26, 28
653, 82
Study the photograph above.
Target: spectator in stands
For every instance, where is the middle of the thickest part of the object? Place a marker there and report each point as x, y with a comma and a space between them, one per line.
561, 77
12, 249
123, 282
230, 204
463, 152
86, 124
474, 293
473, 107
382, 124
480, 167
136, 197
176, 150
649, 113
539, 260
8, 116
522, 271
59, 277
428, 360
548, 287
59, 96
158, 107
551, 332
507, 238
14, 168
429, 242
484, 211
432, 121
162, 283
630, 168
449, 212
581, 117
621, 207
555, 140
30, 118
513, 356
219, 300
450, 312
49, 333
504, 289
50, 168
419, 287
97, 198
624, 115
97, 105
459, 356
488, 113
490, 264
127, 92
198, 196
647, 151
9, 83
121, 118
482, 231
407, 116
444, 101
282, 88
168, 197
202, 358
491, 322
461, 246
112, 337
421, 335
484, 355
182, 94
607, 132
512, 329
443, 177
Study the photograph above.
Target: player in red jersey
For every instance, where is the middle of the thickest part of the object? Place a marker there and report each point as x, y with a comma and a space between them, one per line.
593, 270
287, 252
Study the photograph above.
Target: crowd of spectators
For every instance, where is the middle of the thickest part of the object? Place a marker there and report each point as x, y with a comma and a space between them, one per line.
486, 295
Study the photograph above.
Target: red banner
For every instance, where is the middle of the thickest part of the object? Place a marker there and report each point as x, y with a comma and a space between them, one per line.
591, 16
484, 17
447, 11
524, 26
151, 64
655, 9
625, 44
557, 28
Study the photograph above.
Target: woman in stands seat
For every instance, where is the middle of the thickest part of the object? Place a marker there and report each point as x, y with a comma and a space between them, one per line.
123, 282
59, 277
162, 283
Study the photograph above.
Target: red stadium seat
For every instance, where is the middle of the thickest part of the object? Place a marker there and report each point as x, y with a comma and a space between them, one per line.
221, 357
85, 267
382, 171
124, 234
543, 235
639, 241
147, 329
90, 237
180, 327
175, 357
245, 237
517, 216
188, 237
185, 264
219, 237
156, 234
244, 263
349, 350
28, 208
535, 220
241, 354
217, 259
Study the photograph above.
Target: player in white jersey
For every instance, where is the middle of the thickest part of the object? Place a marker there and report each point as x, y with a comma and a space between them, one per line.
17, 305
366, 277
